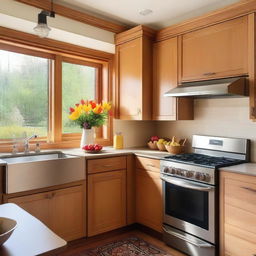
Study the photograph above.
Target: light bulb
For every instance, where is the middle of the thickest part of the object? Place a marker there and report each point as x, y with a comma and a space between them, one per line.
42, 30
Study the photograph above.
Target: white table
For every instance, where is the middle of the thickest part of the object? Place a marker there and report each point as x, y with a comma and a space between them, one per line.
31, 237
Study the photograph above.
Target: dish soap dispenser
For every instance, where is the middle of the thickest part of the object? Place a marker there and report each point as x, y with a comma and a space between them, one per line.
118, 141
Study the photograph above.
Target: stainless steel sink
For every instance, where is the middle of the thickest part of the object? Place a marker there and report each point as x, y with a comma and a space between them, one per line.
34, 171
34, 158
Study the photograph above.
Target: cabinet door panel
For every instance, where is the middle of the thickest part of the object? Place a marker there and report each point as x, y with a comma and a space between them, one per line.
106, 201
68, 213
38, 205
165, 78
130, 79
149, 199
216, 51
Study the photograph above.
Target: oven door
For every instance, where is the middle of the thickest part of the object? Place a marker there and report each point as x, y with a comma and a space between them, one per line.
189, 206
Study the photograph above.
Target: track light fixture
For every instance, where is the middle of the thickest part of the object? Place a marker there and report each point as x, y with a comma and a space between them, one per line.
42, 29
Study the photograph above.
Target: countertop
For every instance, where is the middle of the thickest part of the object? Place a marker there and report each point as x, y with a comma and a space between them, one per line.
247, 168
31, 237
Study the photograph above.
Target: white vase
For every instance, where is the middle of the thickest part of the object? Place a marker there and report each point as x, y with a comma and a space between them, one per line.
87, 137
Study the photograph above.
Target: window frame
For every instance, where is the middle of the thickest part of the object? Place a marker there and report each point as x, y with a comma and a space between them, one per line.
55, 138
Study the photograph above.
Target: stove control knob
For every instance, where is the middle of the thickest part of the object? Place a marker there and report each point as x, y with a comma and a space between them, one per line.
178, 171
189, 174
207, 177
197, 175
202, 177
166, 169
173, 171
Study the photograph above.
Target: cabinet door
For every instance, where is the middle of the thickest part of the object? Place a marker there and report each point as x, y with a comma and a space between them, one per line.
68, 218
106, 201
38, 205
216, 51
63, 210
149, 199
237, 215
129, 79
165, 78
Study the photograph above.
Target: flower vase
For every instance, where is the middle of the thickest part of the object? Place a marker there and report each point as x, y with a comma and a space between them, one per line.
87, 137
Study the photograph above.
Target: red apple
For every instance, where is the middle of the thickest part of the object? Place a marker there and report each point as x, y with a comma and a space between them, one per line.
154, 138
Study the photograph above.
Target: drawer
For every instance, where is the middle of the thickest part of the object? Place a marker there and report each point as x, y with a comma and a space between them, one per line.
148, 164
106, 164
241, 194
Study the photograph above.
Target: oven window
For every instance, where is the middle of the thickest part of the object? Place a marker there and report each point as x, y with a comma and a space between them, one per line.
187, 204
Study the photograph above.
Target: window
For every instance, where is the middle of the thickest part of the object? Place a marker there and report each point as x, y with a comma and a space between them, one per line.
24, 83
78, 82
37, 87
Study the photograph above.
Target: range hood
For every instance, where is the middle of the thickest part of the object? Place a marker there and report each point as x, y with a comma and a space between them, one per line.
234, 87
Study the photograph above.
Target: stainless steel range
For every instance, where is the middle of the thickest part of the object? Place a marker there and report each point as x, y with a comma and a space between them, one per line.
190, 192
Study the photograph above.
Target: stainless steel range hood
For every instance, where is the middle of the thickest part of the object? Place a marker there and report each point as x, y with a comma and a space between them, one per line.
234, 87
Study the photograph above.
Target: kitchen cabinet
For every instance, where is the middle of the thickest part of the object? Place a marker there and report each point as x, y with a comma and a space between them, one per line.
165, 74
216, 51
106, 201
62, 210
149, 193
237, 214
134, 74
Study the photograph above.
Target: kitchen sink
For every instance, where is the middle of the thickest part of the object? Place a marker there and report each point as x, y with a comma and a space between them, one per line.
33, 158
35, 171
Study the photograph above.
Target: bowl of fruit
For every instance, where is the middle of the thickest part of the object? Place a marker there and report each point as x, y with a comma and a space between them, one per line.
176, 147
152, 142
161, 144
92, 148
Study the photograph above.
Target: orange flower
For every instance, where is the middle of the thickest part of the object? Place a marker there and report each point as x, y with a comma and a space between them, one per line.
93, 104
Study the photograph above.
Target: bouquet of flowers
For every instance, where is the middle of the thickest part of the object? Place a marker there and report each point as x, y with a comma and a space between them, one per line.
88, 114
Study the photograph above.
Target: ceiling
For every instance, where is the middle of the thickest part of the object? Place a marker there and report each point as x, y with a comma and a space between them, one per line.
165, 12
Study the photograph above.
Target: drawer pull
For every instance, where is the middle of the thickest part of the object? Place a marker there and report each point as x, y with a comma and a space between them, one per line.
107, 165
150, 165
209, 74
252, 190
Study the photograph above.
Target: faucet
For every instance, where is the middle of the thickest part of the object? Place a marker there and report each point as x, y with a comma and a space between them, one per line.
26, 143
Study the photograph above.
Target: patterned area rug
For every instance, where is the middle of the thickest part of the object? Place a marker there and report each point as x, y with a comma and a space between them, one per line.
131, 246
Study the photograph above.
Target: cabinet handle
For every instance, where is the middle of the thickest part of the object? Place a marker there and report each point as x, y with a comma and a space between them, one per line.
150, 165
107, 165
250, 189
209, 73
50, 196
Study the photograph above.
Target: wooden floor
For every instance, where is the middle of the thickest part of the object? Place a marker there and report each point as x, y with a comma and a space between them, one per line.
75, 247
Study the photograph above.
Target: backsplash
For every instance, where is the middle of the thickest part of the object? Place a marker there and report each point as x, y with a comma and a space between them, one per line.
220, 117
136, 133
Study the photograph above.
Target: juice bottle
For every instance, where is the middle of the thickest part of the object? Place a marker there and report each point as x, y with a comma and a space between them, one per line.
118, 141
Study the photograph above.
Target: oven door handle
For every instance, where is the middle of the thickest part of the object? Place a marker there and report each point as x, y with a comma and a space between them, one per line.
200, 245
187, 184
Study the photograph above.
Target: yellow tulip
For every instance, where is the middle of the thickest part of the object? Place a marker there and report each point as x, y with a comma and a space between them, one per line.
75, 115
87, 108
98, 109
106, 106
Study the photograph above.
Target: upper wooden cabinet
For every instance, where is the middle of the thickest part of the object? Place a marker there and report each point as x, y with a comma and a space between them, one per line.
134, 74
216, 51
165, 74
237, 215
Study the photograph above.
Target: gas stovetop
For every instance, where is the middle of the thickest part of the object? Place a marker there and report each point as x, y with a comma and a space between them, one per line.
204, 160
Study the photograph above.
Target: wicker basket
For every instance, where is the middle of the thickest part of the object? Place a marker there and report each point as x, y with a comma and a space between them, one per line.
175, 149
152, 145
161, 147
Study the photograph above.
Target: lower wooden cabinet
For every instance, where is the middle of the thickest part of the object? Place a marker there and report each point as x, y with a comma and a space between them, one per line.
106, 201
237, 215
61, 210
149, 198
